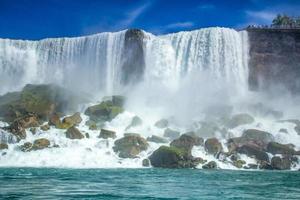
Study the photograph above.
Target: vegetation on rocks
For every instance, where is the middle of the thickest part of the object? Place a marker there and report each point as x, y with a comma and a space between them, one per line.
43, 100
106, 110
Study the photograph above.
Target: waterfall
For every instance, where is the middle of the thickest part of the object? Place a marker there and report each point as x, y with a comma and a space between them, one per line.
221, 52
88, 63
93, 63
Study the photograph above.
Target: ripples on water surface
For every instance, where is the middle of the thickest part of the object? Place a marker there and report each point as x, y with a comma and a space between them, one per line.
46, 183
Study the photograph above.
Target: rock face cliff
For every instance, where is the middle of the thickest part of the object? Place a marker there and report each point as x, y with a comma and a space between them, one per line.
133, 56
274, 59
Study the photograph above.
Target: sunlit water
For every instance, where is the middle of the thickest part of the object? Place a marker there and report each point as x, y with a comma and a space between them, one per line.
51, 183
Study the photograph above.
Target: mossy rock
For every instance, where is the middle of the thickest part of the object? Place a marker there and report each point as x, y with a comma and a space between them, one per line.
169, 157
187, 142
105, 111
43, 100
239, 163
130, 146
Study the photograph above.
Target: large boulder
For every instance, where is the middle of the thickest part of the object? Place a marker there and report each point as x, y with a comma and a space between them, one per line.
253, 151
187, 142
43, 100
210, 165
157, 139
74, 133
213, 146
105, 134
252, 137
277, 148
171, 134
38, 144
172, 157
18, 126
281, 163
258, 135
240, 119
130, 146
41, 143
105, 111
73, 119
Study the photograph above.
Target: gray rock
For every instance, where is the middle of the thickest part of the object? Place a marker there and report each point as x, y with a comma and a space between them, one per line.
130, 146
105, 134
213, 146
172, 134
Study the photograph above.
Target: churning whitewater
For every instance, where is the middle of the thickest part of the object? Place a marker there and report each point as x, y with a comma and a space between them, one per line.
186, 74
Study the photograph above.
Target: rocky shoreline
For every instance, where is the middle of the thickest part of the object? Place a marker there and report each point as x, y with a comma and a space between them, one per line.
38, 109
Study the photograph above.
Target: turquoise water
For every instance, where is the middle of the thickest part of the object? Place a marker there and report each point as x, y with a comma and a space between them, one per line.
48, 183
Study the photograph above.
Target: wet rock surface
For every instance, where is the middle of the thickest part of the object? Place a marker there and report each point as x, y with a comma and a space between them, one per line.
130, 146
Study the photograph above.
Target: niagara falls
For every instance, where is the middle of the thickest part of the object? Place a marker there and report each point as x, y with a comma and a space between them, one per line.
149, 99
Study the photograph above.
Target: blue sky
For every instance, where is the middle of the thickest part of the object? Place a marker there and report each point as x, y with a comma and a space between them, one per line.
36, 19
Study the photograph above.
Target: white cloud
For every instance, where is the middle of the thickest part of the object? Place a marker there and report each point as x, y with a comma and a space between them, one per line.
180, 25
